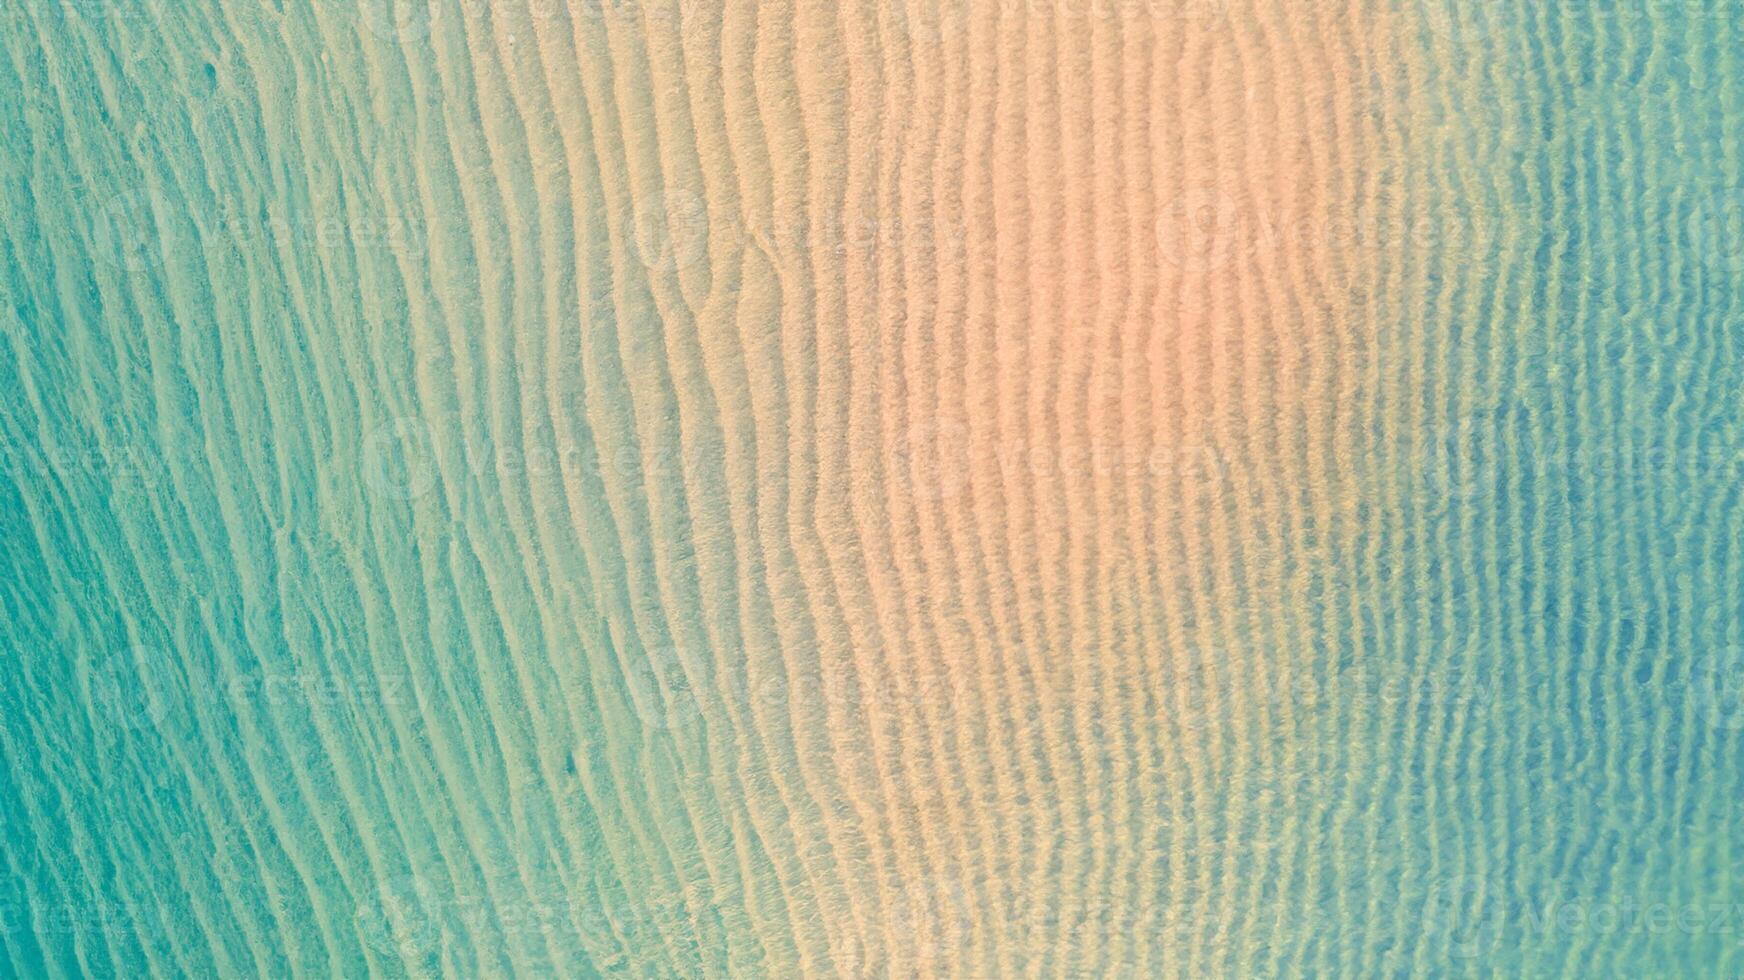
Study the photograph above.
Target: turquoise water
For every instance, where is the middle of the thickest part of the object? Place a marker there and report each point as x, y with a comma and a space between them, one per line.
360, 523
1579, 555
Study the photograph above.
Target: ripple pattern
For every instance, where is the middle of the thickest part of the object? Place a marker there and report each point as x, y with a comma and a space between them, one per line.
877, 488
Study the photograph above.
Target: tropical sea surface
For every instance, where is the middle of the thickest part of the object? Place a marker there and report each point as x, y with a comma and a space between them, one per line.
962, 488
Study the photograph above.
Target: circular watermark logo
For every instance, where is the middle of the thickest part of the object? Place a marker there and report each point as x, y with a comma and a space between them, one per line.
928, 22
1201, 230
670, 230
403, 919
660, 689
1717, 689
1465, 915
1463, 463
937, 916
932, 457
1716, 231
601, 9
392, 19
775, 690
127, 690
126, 233
399, 458
1458, 23
395, 19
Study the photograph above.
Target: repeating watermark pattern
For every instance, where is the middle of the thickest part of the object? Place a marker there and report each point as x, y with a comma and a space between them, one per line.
670, 230
846, 689
1716, 689
142, 688
1631, 916
1471, 460
127, 690
792, 237
1460, 23
1469, 916
405, 458
395, 19
1387, 686
119, 9
418, 921
1468, 23
403, 919
126, 232
1202, 230
400, 458
932, 458
136, 231
937, 918
929, 22
1465, 915
1716, 230
1211, 228
935, 459
666, 231
93, 921
132, 466
1464, 463
228, 856
321, 689
936, 21
660, 687
370, 228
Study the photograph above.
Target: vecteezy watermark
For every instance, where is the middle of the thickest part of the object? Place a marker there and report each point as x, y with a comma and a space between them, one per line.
936, 460
936, 916
670, 230
937, 21
1716, 689
1467, 23
1631, 916
1465, 915
134, 466
1124, 10
393, 19
363, 226
1470, 459
1460, 23
399, 458
845, 688
94, 921
1365, 685
137, 230
120, 9
1462, 462
1469, 915
407, 457
127, 690
1212, 227
1202, 230
321, 689
126, 231
403, 918
932, 459
661, 689
1715, 230
416, 919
